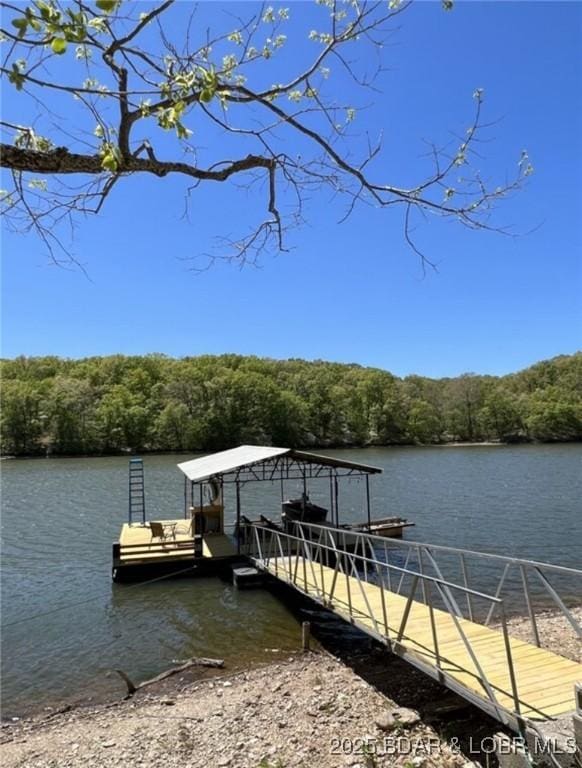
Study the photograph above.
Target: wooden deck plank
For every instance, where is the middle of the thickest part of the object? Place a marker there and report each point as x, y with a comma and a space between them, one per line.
138, 533
138, 546
545, 680
151, 557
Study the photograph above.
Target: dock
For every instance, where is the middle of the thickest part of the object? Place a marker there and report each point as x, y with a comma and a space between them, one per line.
425, 603
417, 616
200, 540
138, 553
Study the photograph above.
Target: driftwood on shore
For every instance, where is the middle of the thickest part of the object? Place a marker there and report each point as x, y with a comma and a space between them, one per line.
194, 662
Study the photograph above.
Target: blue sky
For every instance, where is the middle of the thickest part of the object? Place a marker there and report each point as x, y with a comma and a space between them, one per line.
352, 292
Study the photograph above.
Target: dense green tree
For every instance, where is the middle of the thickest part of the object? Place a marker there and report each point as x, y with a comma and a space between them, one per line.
117, 403
71, 416
123, 419
501, 416
175, 429
22, 422
552, 419
425, 424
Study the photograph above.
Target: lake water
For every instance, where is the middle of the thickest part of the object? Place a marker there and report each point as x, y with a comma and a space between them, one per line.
60, 517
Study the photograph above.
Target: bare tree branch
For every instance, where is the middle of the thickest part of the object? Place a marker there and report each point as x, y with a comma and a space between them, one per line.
145, 101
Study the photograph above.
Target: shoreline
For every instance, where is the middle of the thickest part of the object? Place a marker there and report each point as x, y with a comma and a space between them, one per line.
309, 709
346, 447
555, 633
285, 709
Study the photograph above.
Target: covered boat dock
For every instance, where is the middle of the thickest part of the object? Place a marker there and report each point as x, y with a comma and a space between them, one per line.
201, 535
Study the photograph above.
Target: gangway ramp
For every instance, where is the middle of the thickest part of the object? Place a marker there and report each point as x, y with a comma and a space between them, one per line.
513, 680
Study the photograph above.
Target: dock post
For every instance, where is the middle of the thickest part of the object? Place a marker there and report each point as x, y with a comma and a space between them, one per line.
305, 635
201, 505
368, 501
331, 507
238, 517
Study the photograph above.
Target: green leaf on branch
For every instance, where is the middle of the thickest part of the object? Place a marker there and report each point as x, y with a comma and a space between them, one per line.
58, 45
107, 6
110, 157
109, 163
45, 10
16, 77
21, 25
182, 132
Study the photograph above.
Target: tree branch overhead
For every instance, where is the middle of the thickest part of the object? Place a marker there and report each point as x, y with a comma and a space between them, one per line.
142, 99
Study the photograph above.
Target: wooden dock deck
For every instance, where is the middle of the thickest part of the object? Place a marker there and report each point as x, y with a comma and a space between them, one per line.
138, 552
137, 545
544, 680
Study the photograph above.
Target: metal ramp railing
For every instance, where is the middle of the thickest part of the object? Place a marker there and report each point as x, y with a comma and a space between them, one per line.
398, 593
519, 582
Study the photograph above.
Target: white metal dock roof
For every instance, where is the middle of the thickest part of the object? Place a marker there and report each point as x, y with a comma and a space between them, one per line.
247, 455
228, 461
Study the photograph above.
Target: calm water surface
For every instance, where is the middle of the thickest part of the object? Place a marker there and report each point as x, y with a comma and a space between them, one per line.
61, 516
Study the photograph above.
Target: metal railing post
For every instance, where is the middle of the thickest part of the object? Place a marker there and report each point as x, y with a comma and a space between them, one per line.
438, 572
498, 592
466, 583
307, 550
421, 571
405, 567
509, 659
482, 676
407, 608
336, 567
570, 618
387, 559
528, 602
321, 571
433, 626
348, 588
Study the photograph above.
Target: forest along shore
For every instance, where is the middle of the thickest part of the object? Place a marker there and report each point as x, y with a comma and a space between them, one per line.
310, 709
108, 405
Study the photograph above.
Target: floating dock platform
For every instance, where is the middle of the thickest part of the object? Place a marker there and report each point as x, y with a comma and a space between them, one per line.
139, 553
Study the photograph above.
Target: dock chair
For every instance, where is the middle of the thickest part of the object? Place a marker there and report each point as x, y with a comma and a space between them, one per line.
184, 528
159, 531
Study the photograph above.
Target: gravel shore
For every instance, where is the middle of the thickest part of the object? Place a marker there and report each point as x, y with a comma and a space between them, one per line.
309, 711
554, 631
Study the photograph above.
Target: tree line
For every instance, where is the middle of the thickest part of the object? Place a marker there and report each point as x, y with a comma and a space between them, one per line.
103, 405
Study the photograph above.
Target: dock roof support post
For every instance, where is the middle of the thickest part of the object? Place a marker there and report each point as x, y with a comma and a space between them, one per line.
331, 507
368, 501
304, 493
192, 505
336, 486
185, 497
238, 517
